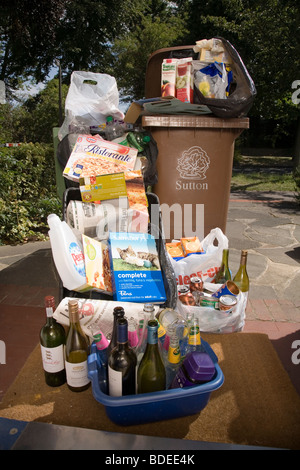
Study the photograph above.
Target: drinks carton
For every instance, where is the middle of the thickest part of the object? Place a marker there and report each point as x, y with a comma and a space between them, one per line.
168, 77
184, 80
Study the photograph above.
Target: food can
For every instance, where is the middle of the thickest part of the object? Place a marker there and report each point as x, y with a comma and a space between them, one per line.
196, 288
209, 301
185, 296
227, 302
228, 288
196, 284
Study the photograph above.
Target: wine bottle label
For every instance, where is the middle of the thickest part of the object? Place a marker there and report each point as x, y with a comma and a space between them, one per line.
53, 358
77, 374
114, 382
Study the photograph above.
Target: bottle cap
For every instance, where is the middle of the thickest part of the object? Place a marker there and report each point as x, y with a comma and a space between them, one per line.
73, 311
199, 366
122, 334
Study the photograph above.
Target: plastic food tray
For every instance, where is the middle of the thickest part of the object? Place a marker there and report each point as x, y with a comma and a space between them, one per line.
156, 230
156, 406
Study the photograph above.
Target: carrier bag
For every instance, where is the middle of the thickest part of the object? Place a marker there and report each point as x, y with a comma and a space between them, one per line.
241, 93
90, 99
205, 264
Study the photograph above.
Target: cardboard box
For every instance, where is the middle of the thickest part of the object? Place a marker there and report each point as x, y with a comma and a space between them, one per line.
135, 268
94, 156
97, 267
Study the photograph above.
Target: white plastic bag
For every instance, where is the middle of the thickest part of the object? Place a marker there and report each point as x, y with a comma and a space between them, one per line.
212, 320
205, 265
91, 97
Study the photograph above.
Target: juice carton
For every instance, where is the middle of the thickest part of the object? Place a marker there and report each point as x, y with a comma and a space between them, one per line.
168, 77
184, 80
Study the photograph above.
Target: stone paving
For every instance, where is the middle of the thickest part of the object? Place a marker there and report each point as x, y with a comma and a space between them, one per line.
266, 224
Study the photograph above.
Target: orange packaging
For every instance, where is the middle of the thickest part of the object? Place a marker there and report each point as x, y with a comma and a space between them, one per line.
191, 246
175, 250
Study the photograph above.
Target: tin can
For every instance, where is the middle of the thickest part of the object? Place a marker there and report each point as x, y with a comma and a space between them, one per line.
196, 288
209, 301
228, 288
185, 296
226, 303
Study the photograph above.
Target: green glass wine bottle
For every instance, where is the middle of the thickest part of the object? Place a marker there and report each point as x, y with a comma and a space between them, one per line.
52, 341
241, 278
122, 364
76, 352
151, 375
224, 273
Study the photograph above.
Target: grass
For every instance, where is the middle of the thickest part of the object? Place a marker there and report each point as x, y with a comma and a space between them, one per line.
262, 174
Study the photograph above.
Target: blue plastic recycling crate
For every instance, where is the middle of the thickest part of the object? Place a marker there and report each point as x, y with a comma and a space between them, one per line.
156, 406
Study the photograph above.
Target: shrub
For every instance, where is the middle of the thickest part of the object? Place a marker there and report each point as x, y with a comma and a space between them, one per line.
27, 192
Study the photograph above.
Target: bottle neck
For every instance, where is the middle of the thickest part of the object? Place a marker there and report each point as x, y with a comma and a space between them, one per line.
225, 257
194, 335
122, 334
50, 307
152, 337
243, 261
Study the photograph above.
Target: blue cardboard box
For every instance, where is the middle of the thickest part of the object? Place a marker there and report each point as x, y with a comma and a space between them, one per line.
135, 268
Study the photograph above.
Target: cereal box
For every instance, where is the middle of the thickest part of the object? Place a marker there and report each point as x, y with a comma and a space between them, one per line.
92, 156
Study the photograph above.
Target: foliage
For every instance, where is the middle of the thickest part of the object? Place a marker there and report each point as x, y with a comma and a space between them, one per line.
159, 27
266, 34
34, 119
296, 176
27, 192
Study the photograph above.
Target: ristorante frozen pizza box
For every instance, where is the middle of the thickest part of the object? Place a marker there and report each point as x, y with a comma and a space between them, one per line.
92, 156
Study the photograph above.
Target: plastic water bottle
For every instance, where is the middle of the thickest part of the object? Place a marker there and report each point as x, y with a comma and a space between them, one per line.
67, 254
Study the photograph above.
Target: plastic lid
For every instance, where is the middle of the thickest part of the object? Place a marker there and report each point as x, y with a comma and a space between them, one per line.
199, 366
146, 138
109, 119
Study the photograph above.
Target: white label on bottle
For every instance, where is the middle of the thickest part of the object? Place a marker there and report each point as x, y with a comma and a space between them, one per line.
49, 312
53, 358
114, 382
77, 374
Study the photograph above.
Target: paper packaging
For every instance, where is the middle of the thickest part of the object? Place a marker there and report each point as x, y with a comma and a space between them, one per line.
94, 156
96, 261
135, 267
96, 220
168, 77
96, 314
184, 80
